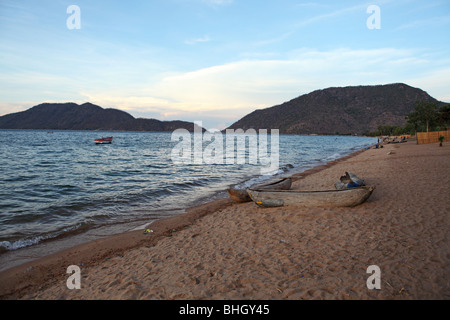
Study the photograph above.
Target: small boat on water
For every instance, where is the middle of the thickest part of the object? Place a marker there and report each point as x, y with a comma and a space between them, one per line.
328, 198
241, 195
102, 140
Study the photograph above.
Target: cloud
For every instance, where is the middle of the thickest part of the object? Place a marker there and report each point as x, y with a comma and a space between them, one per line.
261, 82
197, 40
224, 93
435, 82
435, 22
335, 13
11, 107
229, 91
276, 39
311, 5
218, 2
331, 14
242, 86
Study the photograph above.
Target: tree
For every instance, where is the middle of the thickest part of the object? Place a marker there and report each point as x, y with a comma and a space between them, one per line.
426, 116
398, 131
385, 130
444, 116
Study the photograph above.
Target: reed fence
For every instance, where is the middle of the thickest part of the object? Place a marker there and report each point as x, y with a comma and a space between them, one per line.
432, 137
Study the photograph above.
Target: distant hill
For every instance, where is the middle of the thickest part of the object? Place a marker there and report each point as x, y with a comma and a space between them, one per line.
71, 116
339, 110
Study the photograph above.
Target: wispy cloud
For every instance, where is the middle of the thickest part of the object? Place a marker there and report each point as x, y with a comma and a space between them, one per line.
426, 23
229, 91
437, 80
258, 54
273, 40
331, 14
311, 5
242, 86
337, 12
193, 41
217, 2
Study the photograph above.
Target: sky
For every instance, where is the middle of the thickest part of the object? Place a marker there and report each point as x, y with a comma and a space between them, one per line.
215, 61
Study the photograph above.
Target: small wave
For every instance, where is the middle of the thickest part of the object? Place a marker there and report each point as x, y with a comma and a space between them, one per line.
252, 181
334, 157
103, 187
9, 246
192, 184
22, 243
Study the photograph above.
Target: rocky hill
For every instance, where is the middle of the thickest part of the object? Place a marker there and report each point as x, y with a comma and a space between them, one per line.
71, 116
339, 110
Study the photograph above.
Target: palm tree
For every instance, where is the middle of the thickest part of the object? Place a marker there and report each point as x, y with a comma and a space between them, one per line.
441, 139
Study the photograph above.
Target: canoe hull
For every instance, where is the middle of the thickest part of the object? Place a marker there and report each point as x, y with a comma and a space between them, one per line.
330, 198
241, 195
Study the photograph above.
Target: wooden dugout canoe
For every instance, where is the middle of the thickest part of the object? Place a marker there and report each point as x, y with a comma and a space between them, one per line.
329, 198
241, 195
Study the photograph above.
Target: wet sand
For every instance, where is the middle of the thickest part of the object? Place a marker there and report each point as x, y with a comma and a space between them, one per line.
222, 250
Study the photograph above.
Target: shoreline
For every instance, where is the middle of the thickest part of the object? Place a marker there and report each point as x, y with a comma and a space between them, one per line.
207, 230
20, 247
32, 275
50, 246
12, 278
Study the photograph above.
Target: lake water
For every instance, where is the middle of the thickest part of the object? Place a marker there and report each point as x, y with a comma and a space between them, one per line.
60, 183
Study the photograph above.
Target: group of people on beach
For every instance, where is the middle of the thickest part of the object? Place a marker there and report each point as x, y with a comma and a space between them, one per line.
388, 140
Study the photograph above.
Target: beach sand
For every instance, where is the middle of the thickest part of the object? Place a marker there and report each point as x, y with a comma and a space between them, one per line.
224, 250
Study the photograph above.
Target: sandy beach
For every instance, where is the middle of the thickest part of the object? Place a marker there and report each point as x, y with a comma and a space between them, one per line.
222, 250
